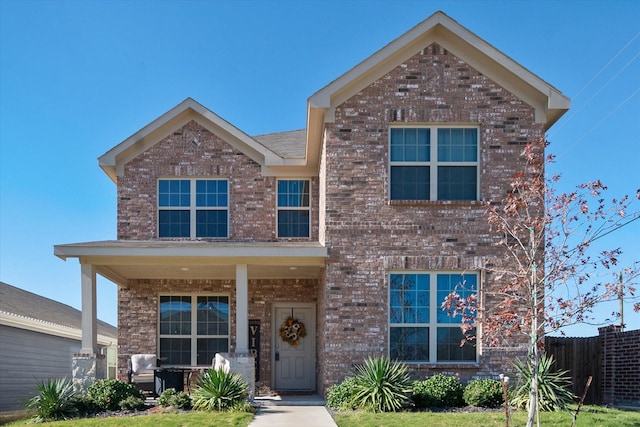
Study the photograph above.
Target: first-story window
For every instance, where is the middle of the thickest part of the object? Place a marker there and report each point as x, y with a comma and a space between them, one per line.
193, 208
294, 209
193, 328
419, 330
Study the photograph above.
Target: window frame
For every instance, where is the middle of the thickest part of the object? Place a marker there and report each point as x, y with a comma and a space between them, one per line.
192, 208
433, 163
193, 336
293, 208
433, 326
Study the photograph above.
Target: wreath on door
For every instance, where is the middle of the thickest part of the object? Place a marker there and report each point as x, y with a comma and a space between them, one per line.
292, 330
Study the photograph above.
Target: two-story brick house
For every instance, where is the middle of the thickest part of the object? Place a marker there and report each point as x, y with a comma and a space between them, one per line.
356, 226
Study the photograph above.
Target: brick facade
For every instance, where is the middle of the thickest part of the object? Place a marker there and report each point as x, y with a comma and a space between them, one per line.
138, 312
366, 235
252, 196
371, 236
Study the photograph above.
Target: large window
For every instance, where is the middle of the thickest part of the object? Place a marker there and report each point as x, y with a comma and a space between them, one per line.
420, 331
193, 328
193, 208
294, 210
434, 163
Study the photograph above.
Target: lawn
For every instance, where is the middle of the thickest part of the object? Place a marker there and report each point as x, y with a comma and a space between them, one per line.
592, 416
588, 417
203, 419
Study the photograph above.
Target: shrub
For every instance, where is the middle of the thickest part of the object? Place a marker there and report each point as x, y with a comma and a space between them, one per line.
553, 387
484, 392
340, 396
381, 385
218, 390
85, 405
55, 400
132, 403
107, 394
175, 399
438, 391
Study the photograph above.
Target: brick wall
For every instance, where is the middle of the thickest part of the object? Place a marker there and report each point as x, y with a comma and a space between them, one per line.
252, 197
620, 375
370, 236
367, 236
138, 312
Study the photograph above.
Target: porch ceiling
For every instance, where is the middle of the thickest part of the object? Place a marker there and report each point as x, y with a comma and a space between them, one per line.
120, 261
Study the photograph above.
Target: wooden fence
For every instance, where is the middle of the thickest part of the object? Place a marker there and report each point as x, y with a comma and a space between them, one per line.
582, 358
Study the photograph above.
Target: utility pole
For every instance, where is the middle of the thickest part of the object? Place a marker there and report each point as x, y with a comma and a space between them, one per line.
620, 295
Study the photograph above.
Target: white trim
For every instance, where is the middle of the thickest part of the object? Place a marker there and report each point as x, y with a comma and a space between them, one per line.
113, 161
548, 102
222, 251
434, 308
192, 208
49, 328
434, 163
294, 208
242, 309
193, 336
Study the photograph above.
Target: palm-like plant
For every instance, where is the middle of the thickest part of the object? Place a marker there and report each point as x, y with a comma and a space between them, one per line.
381, 385
553, 387
55, 400
218, 390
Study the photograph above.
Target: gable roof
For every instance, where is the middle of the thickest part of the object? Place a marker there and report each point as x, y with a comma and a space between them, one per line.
26, 310
549, 103
297, 153
113, 161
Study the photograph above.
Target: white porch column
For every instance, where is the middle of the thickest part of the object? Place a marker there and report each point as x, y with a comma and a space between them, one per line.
242, 309
89, 315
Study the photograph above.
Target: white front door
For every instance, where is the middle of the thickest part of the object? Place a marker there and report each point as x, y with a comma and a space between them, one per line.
294, 365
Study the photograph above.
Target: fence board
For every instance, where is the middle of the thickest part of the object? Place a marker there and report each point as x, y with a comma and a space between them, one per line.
582, 358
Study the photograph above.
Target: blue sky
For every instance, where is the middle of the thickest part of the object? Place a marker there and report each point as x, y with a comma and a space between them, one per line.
79, 77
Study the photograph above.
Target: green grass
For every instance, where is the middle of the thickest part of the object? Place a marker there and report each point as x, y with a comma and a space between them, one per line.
589, 417
204, 419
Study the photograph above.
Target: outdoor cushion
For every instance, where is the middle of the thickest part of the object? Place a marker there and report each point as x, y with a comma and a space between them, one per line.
142, 367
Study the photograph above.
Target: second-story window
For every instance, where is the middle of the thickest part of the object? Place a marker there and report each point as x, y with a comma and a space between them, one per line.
294, 209
193, 208
434, 163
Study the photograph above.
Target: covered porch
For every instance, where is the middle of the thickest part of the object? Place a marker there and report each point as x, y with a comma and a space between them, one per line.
252, 274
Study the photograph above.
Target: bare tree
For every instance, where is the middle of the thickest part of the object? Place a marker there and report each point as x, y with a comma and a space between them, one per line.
554, 275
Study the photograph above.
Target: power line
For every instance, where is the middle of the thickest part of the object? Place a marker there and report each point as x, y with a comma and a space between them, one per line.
603, 120
597, 92
606, 65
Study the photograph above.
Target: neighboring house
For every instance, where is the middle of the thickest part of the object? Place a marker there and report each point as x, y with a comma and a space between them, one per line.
357, 226
38, 338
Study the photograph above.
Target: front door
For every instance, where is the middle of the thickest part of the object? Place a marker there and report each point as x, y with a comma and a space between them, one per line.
294, 364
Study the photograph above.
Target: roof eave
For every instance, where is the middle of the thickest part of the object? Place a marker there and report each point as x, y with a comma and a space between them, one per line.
548, 102
113, 161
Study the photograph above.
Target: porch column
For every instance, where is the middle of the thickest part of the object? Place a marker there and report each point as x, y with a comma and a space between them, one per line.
242, 309
89, 315
88, 365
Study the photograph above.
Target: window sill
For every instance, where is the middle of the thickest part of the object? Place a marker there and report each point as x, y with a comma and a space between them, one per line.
437, 203
443, 365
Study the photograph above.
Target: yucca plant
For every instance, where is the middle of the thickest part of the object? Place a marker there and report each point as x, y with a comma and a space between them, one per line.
218, 390
55, 400
381, 385
553, 387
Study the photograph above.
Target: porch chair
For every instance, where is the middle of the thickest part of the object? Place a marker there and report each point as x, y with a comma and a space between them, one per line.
140, 371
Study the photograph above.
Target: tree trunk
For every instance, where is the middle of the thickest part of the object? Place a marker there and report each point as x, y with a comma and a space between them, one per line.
533, 394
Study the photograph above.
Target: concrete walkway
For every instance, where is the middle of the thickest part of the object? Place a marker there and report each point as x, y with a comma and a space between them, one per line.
292, 411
